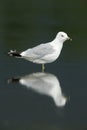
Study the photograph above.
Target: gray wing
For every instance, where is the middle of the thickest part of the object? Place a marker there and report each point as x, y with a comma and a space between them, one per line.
39, 51
43, 49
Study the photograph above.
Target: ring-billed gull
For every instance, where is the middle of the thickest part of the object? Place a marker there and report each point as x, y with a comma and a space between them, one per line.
43, 53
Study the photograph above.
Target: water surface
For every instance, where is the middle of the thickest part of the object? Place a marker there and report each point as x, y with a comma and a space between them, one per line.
36, 104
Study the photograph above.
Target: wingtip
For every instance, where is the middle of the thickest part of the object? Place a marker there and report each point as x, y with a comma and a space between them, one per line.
14, 53
13, 80
11, 52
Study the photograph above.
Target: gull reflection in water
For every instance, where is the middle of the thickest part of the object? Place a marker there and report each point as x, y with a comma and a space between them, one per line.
44, 83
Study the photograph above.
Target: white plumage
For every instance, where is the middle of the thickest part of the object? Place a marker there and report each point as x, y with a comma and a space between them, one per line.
44, 53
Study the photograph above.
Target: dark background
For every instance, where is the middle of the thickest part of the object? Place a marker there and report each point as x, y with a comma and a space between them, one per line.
27, 23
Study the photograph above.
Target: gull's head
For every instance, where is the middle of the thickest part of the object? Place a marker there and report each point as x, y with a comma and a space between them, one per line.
61, 101
62, 37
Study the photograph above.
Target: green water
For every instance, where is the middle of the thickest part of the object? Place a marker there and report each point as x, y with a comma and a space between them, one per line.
24, 24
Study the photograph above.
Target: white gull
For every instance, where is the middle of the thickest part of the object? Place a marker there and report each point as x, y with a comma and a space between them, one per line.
43, 53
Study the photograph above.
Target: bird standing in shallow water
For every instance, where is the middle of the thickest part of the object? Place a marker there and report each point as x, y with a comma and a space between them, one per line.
43, 53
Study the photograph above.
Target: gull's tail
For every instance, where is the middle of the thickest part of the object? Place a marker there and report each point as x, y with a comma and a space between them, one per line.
14, 53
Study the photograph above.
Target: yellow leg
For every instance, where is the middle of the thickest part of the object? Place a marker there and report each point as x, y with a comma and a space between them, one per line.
43, 67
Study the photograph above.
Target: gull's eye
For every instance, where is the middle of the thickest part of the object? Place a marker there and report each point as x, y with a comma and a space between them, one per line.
62, 35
